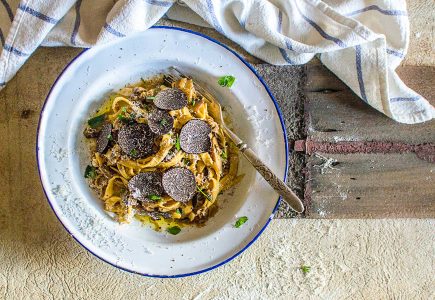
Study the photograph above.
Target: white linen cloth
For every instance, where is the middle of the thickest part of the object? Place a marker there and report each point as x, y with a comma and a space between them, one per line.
361, 41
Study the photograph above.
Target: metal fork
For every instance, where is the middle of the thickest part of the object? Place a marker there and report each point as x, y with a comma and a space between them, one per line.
277, 184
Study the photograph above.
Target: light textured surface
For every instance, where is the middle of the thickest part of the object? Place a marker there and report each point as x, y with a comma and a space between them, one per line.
350, 259
376, 259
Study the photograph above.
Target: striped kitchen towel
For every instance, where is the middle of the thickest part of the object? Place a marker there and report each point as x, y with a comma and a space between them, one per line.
361, 41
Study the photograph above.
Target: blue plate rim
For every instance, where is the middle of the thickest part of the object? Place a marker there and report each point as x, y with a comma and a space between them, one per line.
278, 200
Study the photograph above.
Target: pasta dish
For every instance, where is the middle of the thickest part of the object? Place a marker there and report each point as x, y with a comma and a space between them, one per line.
157, 153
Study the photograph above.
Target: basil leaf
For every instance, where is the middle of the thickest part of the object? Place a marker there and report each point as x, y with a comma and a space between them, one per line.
174, 230
154, 197
177, 143
90, 172
240, 221
226, 81
96, 121
179, 211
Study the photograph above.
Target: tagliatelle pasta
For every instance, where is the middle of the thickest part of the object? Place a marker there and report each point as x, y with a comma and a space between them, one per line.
113, 168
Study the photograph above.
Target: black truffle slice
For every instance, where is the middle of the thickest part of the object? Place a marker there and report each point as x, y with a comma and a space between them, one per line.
136, 140
195, 137
179, 184
160, 121
146, 186
104, 137
170, 99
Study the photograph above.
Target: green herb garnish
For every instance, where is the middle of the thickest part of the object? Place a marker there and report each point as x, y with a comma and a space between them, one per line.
174, 230
154, 197
125, 120
163, 122
133, 152
202, 192
193, 102
226, 81
109, 137
224, 155
179, 211
186, 161
151, 98
305, 269
240, 221
124, 109
97, 121
177, 143
90, 172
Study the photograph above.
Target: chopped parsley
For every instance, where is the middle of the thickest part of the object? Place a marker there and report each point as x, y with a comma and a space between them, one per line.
96, 121
186, 161
109, 137
224, 155
226, 81
127, 120
193, 102
174, 230
150, 98
154, 197
305, 269
207, 196
177, 143
164, 122
179, 211
133, 152
90, 172
240, 221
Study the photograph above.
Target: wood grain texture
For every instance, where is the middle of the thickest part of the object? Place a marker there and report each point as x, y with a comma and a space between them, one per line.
334, 113
370, 186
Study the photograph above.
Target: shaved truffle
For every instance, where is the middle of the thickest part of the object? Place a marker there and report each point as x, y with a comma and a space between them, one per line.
146, 186
160, 121
195, 137
104, 137
179, 184
136, 140
171, 99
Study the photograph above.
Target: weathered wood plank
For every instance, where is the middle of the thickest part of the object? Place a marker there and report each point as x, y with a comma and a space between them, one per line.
334, 113
22, 202
369, 186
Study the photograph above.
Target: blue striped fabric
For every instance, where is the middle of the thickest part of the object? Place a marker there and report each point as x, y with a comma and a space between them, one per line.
113, 30
37, 14
214, 19
159, 3
395, 53
8, 9
2, 38
404, 99
76, 23
359, 73
320, 30
287, 42
378, 9
13, 50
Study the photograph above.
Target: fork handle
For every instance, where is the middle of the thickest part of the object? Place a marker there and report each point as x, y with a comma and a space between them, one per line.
277, 184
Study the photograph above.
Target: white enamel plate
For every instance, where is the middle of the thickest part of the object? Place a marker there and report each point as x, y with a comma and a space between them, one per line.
62, 153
